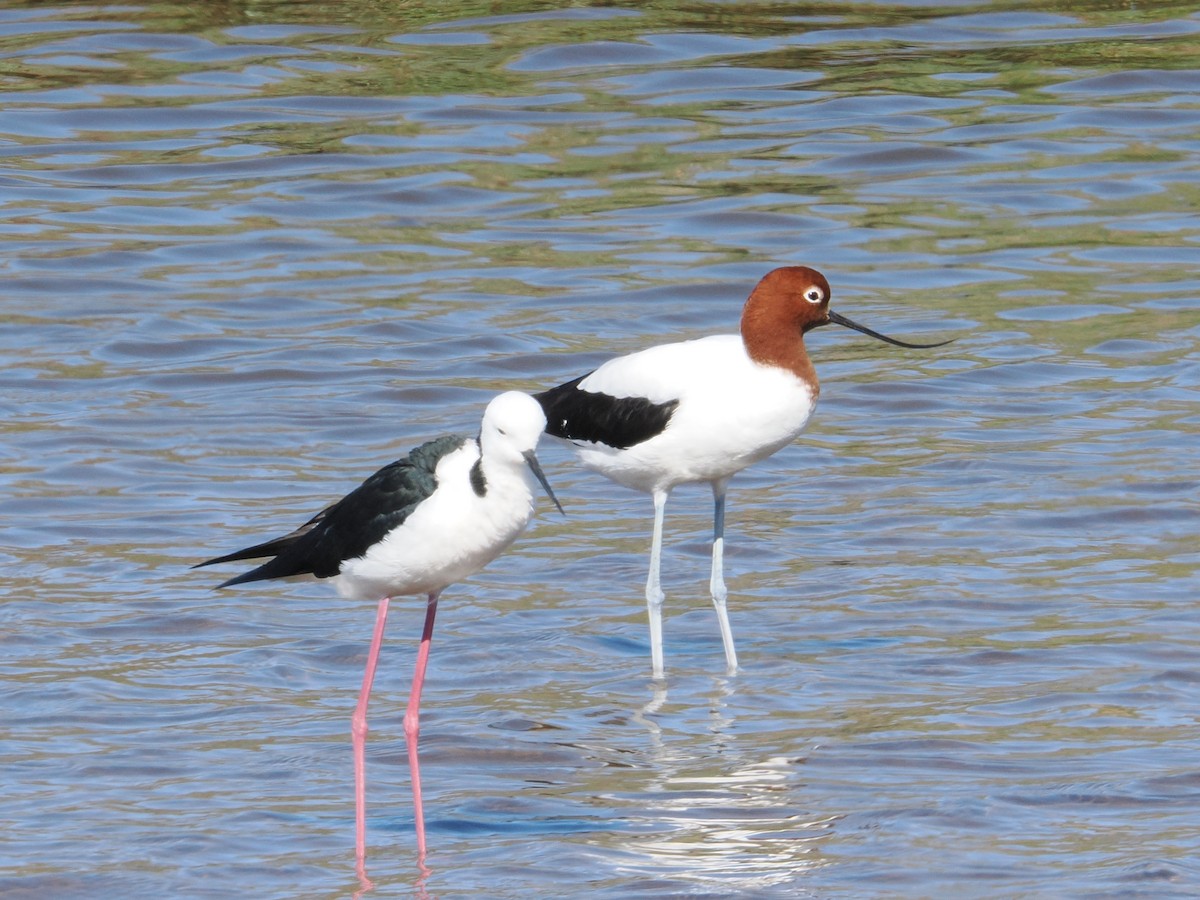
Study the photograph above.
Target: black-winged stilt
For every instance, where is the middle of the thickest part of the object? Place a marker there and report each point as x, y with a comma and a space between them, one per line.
416, 526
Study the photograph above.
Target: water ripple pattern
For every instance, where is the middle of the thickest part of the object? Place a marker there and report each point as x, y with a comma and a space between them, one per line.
253, 251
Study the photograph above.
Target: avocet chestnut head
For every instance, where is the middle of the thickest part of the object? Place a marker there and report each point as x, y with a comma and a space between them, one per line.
701, 411
416, 526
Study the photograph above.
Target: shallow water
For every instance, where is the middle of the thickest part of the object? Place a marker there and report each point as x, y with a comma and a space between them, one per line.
255, 250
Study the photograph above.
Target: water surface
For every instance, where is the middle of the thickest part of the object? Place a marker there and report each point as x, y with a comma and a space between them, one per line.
252, 251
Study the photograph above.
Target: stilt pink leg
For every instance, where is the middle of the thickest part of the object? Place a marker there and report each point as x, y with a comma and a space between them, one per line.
412, 723
358, 735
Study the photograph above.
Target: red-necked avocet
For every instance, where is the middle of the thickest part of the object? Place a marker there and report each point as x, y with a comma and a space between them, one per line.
701, 411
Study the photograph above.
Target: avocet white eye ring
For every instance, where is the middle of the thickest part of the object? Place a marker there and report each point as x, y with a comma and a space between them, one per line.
814, 295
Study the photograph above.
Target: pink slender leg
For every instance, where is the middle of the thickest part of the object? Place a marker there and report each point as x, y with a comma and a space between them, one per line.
358, 735
412, 724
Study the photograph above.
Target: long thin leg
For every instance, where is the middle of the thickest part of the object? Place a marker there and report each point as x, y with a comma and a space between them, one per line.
358, 735
412, 723
654, 593
717, 583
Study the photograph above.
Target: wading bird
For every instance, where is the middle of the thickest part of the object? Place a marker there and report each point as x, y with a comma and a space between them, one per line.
416, 526
701, 411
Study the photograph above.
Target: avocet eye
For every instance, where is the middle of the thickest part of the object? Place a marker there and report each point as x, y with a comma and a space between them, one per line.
814, 295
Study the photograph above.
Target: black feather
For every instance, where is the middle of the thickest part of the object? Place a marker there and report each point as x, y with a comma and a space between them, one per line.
619, 422
348, 528
478, 479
